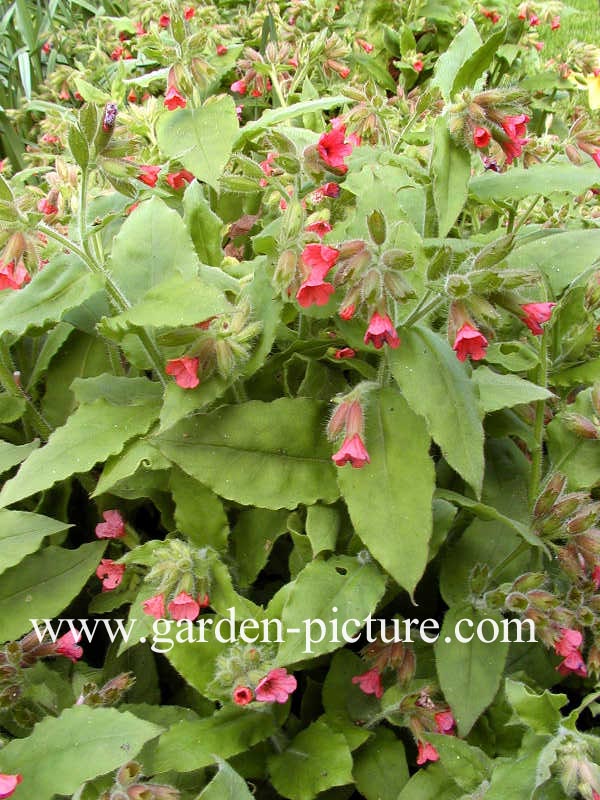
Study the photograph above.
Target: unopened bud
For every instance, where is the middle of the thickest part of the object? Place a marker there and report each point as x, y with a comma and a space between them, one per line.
129, 773
529, 581
377, 226
457, 286
293, 221
516, 601
439, 264
399, 288
541, 599
337, 421
351, 248
398, 259
584, 519
580, 425
285, 271
550, 495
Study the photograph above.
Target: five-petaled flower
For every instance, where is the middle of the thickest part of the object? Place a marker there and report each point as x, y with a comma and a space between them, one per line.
369, 683
515, 128
242, 695
333, 148
276, 686
320, 227
185, 371
469, 342
110, 573
183, 607
67, 646
154, 606
352, 451
536, 314
8, 784
113, 526
426, 752
149, 174
381, 330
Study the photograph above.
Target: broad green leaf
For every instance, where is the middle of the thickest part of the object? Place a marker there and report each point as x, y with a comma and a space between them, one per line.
201, 138
451, 165
252, 539
343, 584
11, 408
544, 179
469, 672
91, 434
226, 785
587, 373
199, 513
454, 56
204, 226
42, 585
540, 712
437, 386
173, 303
22, 532
118, 391
432, 783
322, 527
272, 455
390, 499
515, 778
465, 764
478, 62
63, 752
63, 284
274, 116
152, 246
192, 745
316, 760
195, 661
380, 768
138, 454
498, 391
13, 454
576, 457
179, 403
345, 705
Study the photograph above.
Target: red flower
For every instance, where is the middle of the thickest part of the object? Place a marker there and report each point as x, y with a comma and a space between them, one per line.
320, 227
276, 686
469, 342
536, 314
266, 164
330, 189
221, 50
67, 646
427, 752
369, 683
177, 180
353, 451
113, 526
481, 137
47, 207
154, 606
418, 65
189, 12
347, 312
596, 577
239, 86
555, 23
242, 695
174, 99
185, 371
568, 646
149, 175
132, 97
117, 53
204, 601
314, 291
494, 16
515, 128
366, 46
320, 258
12, 277
534, 20
183, 607
110, 573
444, 722
333, 148
8, 784
164, 20
46, 47
345, 352
381, 330
596, 156
139, 29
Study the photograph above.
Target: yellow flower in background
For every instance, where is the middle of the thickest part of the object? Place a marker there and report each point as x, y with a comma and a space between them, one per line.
593, 82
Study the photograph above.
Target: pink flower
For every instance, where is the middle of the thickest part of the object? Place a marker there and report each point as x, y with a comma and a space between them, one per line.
427, 752
174, 99
555, 23
369, 683
320, 258
12, 277
47, 207
481, 137
469, 342
149, 175
178, 180
515, 128
204, 601
418, 65
333, 148
538, 46
534, 20
536, 314
314, 291
183, 607
330, 189
242, 695
8, 784
239, 86
189, 12
570, 641
596, 577
67, 646
347, 312
155, 606
444, 722
366, 46
493, 16
221, 50
113, 526
573, 663
117, 53
320, 227
110, 573
139, 29
164, 20
344, 352
596, 156
381, 330
185, 371
353, 451
276, 686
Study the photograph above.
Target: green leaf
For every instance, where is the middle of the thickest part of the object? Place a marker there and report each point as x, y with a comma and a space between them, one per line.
152, 246
498, 391
451, 165
255, 533
274, 116
175, 302
322, 527
196, 662
380, 768
316, 760
42, 585
390, 499
201, 138
22, 532
467, 765
63, 284
199, 513
437, 386
91, 434
345, 705
118, 391
540, 712
343, 584
139, 454
454, 56
11, 409
64, 752
544, 179
192, 745
226, 785
477, 63
13, 454
205, 227
576, 457
272, 455
469, 673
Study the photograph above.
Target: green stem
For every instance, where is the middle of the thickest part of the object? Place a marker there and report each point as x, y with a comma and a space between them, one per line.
41, 425
422, 310
277, 87
521, 548
538, 425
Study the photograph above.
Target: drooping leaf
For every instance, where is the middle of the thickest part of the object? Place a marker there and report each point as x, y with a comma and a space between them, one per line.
477, 63
22, 532
199, 513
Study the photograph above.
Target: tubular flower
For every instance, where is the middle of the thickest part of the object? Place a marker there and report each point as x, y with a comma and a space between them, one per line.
369, 683
110, 573
380, 331
427, 752
13, 277
333, 148
481, 137
185, 371
314, 291
276, 686
154, 606
183, 607
353, 451
469, 342
536, 314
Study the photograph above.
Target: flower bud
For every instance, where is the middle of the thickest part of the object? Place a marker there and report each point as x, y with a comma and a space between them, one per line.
550, 495
529, 581
293, 221
580, 425
439, 264
399, 289
398, 259
285, 271
129, 773
541, 599
377, 226
516, 601
457, 286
